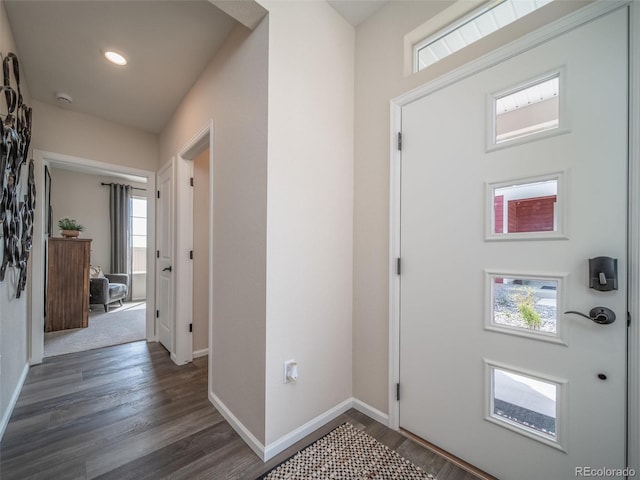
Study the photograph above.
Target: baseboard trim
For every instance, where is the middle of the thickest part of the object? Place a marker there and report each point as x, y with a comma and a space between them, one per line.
299, 433
269, 451
201, 353
174, 358
248, 437
13, 400
371, 412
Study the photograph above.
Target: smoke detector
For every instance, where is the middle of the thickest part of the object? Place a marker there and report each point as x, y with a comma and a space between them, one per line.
64, 98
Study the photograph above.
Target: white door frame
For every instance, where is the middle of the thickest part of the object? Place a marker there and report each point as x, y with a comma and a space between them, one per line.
184, 241
633, 425
43, 158
571, 21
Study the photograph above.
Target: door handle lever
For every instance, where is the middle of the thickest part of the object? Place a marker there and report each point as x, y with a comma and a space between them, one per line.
167, 269
601, 315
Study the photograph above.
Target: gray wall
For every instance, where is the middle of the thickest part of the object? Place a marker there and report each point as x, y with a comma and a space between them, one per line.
309, 212
383, 73
233, 92
13, 312
76, 134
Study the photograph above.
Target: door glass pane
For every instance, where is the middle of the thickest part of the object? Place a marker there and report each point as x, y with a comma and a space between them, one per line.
524, 402
525, 303
527, 111
525, 208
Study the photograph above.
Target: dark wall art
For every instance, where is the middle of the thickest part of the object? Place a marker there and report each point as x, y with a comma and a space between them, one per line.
17, 181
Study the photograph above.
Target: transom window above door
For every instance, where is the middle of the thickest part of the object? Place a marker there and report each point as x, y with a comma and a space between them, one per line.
479, 23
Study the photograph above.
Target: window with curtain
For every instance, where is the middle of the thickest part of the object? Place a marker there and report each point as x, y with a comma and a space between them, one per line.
120, 215
138, 235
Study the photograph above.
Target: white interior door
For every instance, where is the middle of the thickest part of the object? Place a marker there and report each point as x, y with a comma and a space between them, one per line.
491, 369
164, 265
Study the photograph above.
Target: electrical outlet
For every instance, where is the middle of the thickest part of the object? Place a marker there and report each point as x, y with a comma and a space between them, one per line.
290, 371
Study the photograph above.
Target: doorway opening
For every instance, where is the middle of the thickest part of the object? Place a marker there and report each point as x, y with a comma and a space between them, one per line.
194, 245
80, 188
117, 290
201, 241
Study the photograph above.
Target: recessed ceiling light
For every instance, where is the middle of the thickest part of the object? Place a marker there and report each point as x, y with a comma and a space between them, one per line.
116, 58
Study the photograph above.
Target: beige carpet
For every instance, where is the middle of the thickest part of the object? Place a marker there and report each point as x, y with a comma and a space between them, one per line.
120, 325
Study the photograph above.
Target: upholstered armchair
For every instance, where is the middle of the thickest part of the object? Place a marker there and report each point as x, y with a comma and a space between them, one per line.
112, 287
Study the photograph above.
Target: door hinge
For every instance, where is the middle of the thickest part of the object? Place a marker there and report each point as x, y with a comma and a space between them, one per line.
398, 266
158, 193
157, 313
190, 254
398, 392
191, 181
157, 253
400, 141
191, 327
628, 319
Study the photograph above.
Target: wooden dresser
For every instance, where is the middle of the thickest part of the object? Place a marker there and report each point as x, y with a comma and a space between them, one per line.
67, 284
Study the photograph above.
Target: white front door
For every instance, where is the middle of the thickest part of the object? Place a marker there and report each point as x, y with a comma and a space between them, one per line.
164, 260
496, 237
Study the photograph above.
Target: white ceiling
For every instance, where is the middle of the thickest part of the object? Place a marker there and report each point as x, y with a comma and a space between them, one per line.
357, 11
168, 44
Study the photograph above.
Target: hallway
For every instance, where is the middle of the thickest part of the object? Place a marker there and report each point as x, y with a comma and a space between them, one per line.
129, 412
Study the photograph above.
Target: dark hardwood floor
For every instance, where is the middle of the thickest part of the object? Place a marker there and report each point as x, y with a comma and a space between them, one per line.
128, 412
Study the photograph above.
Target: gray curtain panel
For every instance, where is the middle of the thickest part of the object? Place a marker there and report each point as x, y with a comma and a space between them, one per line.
119, 207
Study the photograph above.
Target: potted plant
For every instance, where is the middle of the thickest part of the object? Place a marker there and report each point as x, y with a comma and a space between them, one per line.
69, 228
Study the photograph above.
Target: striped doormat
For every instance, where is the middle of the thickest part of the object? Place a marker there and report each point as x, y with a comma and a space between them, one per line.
347, 453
